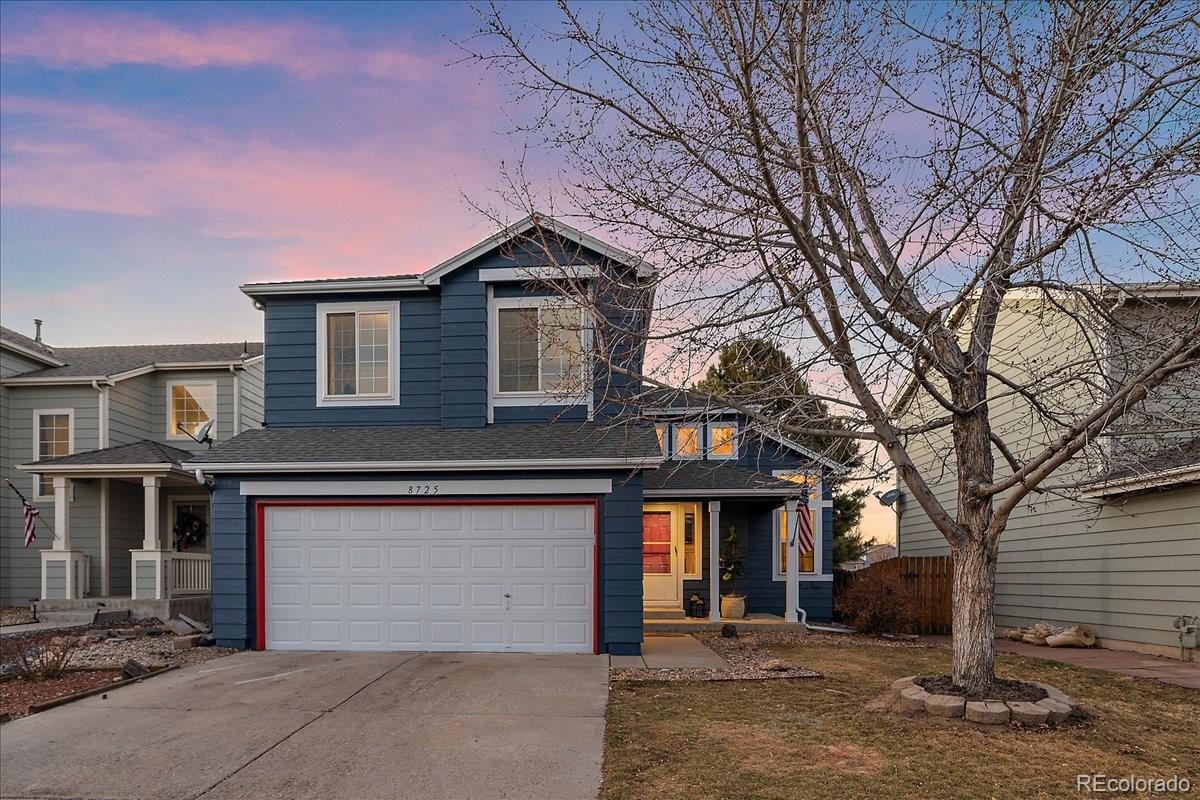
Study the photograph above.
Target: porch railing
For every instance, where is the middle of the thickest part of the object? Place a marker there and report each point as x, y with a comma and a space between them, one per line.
191, 573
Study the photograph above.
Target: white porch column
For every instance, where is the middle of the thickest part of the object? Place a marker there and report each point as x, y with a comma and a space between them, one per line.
714, 560
818, 504
104, 537
150, 540
62, 514
791, 594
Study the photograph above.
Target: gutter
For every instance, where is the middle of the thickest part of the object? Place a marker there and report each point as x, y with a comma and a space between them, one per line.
1137, 483
424, 466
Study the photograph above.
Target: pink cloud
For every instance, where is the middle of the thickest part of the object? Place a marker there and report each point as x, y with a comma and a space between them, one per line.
92, 40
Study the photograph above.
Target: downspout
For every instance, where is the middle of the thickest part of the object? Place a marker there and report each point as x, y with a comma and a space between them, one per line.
237, 400
102, 413
823, 628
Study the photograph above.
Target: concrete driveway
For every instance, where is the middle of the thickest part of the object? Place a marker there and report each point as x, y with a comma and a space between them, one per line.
325, 725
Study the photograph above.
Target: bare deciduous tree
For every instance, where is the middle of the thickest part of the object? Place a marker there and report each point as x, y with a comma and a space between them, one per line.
871, 186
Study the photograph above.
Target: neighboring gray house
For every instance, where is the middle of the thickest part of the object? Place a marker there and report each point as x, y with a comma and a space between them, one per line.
1115, 543
101, 427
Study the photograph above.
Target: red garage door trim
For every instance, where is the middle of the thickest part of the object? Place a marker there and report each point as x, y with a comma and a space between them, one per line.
260, 528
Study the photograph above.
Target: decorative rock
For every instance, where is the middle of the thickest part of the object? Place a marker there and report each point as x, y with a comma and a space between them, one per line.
1056, 694
1057, 710
134, 669
945, 705
1028, 713
180, 628
775, 665
187, 642
900, 684
987, 712
913, 698
728, 631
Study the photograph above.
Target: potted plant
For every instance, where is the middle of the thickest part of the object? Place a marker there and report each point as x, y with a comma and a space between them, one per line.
733, 603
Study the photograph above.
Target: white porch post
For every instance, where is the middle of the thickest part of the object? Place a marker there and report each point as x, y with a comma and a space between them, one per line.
818, 504
150, 540
62, 514
714, 560
104, 537
791, 592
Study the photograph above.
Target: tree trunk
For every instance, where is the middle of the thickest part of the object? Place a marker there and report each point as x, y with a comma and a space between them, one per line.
974, 619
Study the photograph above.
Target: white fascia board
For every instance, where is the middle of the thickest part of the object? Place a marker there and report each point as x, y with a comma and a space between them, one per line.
97, 469
799, 448
1137, 483
121, 376
427, 466
717, 492
566, 272
355, 286
426, 488
36, 355
53, 381
706, 411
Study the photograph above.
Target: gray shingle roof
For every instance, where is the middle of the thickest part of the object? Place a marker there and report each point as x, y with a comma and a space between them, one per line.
113, 360
143, 452
26, 342
714, 476
567, 442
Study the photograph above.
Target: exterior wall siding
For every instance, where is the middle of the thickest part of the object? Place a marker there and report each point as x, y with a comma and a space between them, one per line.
619, 566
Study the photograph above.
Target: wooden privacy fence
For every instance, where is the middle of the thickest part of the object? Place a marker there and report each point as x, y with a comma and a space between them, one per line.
930, 578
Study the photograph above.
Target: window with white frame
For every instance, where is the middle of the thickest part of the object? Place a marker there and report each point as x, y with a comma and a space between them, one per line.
687, 441
722, 440
807, 554
53, 436
661, 432
356, 351
693, 535
189, 406
537, 349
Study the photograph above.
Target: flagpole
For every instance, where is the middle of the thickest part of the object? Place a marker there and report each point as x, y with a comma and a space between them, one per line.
24, 501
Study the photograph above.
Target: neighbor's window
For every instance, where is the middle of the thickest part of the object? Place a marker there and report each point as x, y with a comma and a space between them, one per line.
781, 548
722, 440
661, 431
540, 349
687, 441
357, 351
192, 405
691, 541
53, 439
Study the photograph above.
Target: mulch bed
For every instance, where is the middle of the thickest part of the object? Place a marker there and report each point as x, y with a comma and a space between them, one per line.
745, 654
16, 696
1001, 690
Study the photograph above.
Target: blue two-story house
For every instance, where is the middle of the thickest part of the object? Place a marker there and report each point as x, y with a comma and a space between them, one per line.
462, 460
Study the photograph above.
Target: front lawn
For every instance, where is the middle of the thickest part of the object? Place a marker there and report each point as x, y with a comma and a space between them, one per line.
798, 739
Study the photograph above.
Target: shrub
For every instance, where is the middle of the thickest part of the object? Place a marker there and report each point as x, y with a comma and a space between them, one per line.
39, 658
878, 601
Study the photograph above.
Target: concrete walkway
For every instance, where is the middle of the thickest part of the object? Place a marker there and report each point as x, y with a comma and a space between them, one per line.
679, 651
1122, 662
334, 726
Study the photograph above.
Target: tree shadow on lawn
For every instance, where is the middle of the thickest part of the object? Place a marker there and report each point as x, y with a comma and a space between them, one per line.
831, 738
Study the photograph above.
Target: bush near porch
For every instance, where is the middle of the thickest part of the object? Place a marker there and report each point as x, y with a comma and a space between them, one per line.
827, 738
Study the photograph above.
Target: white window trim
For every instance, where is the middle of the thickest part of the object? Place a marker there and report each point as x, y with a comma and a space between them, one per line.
699, 513
38, 413
496, 398
392, 397
172, 433
776, 575
736, 436
699, 454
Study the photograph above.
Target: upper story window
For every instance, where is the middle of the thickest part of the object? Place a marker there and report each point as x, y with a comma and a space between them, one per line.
537, 348
356, 353
53, 436
661, 432
722, 440
189, 406
687, 441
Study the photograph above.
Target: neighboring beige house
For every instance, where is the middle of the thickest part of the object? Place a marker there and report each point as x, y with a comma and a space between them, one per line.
1114, 541
872, 555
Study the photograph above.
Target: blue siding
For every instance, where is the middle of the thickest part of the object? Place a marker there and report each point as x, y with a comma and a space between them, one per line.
619, 566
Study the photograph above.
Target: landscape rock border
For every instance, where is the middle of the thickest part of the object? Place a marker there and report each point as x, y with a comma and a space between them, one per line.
1055, 709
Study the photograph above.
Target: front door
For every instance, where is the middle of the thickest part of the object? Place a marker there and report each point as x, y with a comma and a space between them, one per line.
661, 584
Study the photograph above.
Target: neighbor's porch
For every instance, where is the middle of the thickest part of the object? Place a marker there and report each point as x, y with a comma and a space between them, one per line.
117, 527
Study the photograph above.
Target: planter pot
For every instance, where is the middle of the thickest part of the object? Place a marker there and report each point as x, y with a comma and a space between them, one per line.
733, 606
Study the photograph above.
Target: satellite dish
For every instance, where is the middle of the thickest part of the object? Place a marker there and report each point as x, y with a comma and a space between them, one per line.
889, 497
202, 435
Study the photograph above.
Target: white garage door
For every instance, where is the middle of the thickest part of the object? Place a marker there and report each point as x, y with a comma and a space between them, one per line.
469, 577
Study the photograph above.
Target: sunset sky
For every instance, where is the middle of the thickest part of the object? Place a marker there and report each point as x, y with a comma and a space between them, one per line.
157, 155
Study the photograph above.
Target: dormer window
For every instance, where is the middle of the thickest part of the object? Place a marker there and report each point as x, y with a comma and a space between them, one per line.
687, 441
536, 348
356, 351
722, 440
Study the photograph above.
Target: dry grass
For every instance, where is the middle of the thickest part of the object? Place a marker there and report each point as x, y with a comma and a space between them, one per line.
831, 738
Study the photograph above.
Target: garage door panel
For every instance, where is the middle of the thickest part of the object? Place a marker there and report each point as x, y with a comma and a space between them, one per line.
431, 578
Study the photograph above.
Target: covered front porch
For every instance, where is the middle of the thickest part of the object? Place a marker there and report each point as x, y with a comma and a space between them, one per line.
129, 523
780, 565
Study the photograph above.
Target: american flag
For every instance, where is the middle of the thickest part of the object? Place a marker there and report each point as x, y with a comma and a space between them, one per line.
31, 515
805, 527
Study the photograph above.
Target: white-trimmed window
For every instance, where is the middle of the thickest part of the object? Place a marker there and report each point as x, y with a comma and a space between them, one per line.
662, 431
537, 351
53, 436
693, 540
807, 559
356, 353
687, 442
722, 440
190, 404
